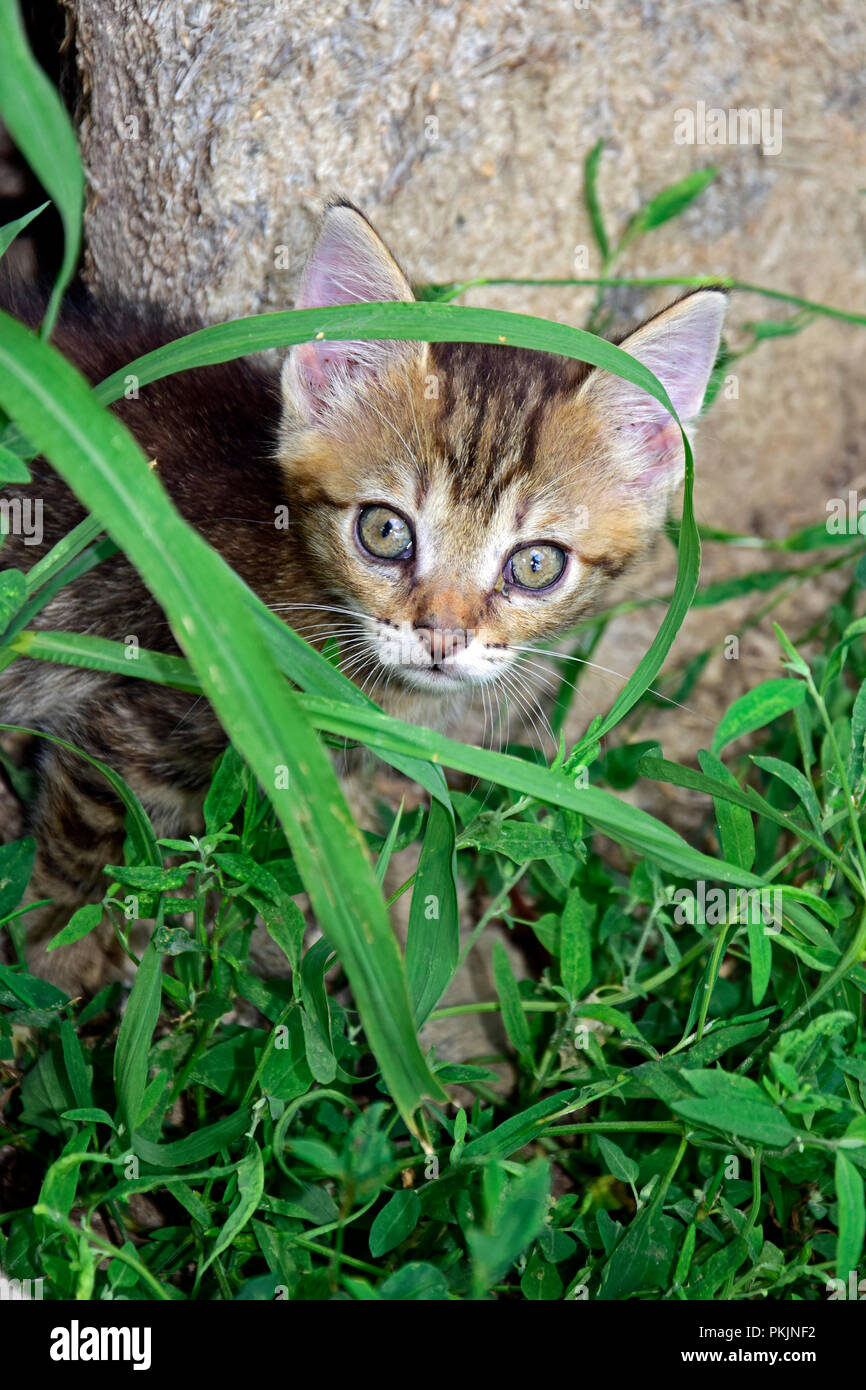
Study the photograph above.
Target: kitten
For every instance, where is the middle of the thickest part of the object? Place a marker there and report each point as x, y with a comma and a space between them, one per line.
449, 504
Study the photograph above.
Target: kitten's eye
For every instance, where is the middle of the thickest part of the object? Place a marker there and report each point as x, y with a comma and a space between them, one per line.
536, 566
384, 533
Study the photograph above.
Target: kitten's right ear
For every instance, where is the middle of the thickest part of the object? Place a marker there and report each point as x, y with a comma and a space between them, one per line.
349, 264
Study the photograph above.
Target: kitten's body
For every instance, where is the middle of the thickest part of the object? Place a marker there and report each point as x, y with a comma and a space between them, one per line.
502, 449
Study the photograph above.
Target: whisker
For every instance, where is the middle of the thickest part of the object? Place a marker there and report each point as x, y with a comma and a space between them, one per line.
562, 656
487, 714
518, 694
539, 673
549, 686
530, 695
353, 658
382, 672
571, 685
313, 631
325, 608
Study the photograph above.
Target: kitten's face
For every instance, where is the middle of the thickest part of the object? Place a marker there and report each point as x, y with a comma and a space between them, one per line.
464, 501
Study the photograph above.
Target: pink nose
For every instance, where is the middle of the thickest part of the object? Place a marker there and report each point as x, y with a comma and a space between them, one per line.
440, 641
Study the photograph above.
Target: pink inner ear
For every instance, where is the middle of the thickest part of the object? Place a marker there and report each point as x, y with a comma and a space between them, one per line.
348, 265
661, 453
343, 269
311, 361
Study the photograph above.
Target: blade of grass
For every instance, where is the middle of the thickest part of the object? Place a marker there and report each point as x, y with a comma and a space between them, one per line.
11, 230
207, 609
40, 127
688, 282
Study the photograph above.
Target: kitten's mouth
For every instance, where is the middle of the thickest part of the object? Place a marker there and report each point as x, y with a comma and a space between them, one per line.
442, 665
433, 677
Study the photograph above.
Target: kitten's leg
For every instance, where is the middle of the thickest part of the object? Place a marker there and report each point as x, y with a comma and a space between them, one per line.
78, 822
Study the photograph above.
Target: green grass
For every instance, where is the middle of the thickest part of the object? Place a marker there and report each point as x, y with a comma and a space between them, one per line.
692, 1085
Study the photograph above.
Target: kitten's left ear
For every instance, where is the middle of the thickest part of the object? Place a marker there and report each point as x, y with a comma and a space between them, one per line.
679, 346
349, 264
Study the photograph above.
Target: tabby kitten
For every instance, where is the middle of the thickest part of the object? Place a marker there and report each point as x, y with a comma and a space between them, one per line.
448, 505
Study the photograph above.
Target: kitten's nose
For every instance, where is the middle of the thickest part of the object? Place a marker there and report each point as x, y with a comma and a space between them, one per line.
441, 635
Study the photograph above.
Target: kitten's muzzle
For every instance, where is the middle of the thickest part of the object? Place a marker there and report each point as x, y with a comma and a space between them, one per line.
441, 642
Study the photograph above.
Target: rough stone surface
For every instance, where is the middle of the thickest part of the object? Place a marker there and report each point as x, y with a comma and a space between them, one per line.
214, 131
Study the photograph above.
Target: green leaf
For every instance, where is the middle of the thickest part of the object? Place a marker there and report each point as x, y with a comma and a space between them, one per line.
518, 840
540, 1280
520, 1129
433, 941
858, 738
618, 1162
415, 322
417, 1281
227, 790
35, 118
713, 1273
13, 592
684, 1258
195, 1147
759, 706
799, 784
147, 878
852, 1216
516, 1219
60, 1184
251, 1183
513, 1017
316, 1015
590, 194
680, 776
793, 657
76, 1066
643, 1258
575, 951
734, 1104
16, 866
287, 930
35, 993
221, 1064
80, 924
736, 831
737, 836
191, 1203
12, 468
11, 230
395, 1222
760, 957
134, 1037
90, 1114
287, 1071
671, 201
319, 1053
387, 849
